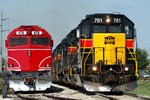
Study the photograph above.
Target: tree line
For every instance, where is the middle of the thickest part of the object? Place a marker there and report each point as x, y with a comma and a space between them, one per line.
142, 58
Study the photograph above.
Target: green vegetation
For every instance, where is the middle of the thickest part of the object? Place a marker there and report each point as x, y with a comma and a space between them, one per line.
141, 78
142, 58
142, 88
0, 85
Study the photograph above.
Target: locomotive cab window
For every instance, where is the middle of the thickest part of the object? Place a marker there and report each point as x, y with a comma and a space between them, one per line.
107, 29
128, 31
99, 28
40, 40
86, 31
114, 29
15, 41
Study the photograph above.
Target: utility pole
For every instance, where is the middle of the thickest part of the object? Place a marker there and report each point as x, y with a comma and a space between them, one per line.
2, 40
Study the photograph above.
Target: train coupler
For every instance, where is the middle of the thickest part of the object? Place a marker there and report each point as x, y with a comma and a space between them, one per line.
29, 81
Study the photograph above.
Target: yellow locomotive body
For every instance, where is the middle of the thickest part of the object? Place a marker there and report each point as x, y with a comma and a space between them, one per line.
113, 45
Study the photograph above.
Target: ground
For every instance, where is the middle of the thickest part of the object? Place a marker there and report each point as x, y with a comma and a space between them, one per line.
142, 89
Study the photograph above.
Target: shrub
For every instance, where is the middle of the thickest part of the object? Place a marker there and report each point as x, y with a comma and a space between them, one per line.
140, 77
146, 78
0, 85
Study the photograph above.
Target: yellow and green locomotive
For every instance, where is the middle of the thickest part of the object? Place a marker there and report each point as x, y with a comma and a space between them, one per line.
98, 55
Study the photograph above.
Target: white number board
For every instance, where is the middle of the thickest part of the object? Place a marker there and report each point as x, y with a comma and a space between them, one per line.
21, 33
36, 32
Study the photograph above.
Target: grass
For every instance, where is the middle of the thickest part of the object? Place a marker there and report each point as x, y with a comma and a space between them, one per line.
0, 85
143, 88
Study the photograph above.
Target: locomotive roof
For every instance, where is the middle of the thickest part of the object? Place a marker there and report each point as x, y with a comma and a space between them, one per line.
103, 14
90, 16
28, 28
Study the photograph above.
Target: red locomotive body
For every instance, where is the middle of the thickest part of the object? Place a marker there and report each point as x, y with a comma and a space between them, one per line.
29, 58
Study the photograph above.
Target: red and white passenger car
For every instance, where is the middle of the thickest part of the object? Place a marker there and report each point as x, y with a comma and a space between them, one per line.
29, 58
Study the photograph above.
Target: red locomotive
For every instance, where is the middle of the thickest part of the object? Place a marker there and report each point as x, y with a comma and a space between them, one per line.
29, 58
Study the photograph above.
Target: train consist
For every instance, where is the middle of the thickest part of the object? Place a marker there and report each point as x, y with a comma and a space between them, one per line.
98, 55
29, 58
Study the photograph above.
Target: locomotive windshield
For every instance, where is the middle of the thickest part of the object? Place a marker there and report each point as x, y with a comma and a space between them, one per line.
99, 28
114, 29
14, 41
107, 29
40, 40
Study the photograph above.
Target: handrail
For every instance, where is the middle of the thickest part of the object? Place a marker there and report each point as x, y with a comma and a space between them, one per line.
71, 60
135, 55
57, 68
86, 59
134, 58
83, 53
69, 63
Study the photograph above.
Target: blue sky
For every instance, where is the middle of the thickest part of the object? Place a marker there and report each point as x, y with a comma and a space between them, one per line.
59, 17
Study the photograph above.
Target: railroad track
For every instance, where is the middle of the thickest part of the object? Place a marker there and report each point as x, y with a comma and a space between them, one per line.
52, 97
58, 92
31, 97
122, 96
42, 97
115, 95
58, 98
137, 96
97, 96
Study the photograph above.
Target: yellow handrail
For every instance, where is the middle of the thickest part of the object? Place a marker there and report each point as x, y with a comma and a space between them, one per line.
83, 53
69, 63
134, 58
71, 60
57, 68
86, 59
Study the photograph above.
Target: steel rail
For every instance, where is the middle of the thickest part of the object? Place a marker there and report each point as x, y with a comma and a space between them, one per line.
59, 98
26, 98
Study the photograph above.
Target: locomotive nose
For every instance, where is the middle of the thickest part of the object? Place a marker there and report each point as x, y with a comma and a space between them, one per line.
29, 80
109, 48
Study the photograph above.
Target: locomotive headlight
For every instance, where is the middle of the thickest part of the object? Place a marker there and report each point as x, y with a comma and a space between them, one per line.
94, 68
126, 68
11, 65
108, 20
